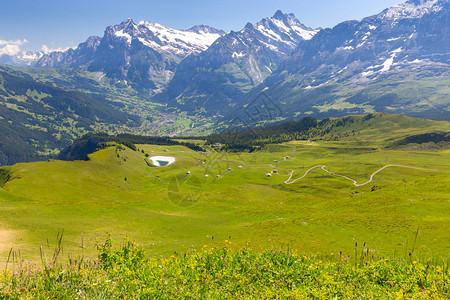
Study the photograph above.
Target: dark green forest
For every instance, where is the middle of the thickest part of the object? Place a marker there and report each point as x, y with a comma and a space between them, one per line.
89, 143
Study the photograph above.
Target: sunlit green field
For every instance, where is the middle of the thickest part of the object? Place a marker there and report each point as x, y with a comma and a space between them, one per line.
401, 210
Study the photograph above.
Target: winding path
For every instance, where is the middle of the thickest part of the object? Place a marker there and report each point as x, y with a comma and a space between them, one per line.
348, 178
293, 152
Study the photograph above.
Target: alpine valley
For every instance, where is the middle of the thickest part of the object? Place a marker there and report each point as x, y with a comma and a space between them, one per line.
166, 81
278, 161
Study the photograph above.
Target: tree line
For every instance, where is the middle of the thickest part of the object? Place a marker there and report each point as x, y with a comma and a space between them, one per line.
91, 142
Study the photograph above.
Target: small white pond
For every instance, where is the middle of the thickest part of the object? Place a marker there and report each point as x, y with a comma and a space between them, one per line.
161, 161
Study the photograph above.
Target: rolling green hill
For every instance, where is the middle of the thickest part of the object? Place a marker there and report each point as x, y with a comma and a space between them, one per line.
384, 128
310, 203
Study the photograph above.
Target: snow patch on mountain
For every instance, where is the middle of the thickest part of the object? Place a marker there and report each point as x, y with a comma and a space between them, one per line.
361, 44
394, 39
122, 34
269, 33
412, 9
271, 47
238, 55
181, 42
387, 64
304, 33
384, 67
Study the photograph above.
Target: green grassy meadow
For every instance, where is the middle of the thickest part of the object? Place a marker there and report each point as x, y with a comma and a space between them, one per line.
168, 210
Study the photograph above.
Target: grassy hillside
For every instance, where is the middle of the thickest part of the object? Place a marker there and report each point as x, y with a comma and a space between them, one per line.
37, 120
169, 210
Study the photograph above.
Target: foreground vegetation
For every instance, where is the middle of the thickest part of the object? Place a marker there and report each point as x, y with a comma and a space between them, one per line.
221, 273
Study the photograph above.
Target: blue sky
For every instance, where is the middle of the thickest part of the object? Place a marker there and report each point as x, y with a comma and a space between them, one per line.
30, 24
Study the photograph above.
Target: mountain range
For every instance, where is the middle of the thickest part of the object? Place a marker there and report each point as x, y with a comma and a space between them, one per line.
397, 61
234, 64
348, 69
144, 55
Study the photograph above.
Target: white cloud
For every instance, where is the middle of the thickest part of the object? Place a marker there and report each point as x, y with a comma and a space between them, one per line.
11, 47
16, 42
47, 50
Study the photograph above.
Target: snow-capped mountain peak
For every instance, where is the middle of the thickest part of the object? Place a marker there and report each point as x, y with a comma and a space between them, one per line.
279, 15
285, 28
413, 9
205, 29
